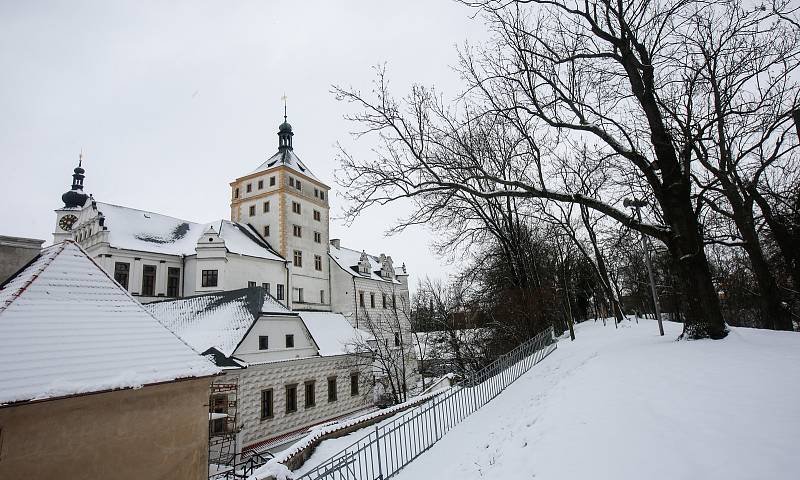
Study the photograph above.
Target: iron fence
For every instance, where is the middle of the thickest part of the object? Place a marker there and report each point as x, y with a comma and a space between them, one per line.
389, 447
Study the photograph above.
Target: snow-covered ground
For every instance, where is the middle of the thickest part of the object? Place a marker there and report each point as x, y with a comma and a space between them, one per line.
626, 404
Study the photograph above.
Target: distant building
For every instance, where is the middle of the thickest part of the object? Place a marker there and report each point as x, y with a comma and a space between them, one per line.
293, 370
91, 384
15, 253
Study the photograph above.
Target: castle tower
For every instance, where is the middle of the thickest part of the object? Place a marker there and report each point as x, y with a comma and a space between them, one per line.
288, 206
74, 199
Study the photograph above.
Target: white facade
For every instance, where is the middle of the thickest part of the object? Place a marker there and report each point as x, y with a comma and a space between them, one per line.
269, 348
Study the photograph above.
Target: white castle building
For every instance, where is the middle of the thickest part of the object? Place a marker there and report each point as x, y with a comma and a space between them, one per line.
277, 238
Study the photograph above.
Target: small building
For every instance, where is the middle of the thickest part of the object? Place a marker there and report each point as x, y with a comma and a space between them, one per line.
293, 369
91, 384
15, 253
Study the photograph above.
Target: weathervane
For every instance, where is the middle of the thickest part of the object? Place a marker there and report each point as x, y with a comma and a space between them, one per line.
80, 158
284, 98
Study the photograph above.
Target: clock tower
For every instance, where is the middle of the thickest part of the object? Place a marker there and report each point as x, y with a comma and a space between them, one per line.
74, 200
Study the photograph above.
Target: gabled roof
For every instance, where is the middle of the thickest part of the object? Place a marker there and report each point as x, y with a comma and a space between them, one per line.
348, 260
133, 229
216, 320
333, 334
289, 159
67, 328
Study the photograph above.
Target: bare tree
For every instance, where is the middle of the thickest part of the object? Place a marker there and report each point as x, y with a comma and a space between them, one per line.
560, 75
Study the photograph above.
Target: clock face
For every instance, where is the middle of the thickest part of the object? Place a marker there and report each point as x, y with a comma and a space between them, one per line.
67, 221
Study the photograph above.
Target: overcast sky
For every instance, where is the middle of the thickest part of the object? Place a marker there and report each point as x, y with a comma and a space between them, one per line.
171, 101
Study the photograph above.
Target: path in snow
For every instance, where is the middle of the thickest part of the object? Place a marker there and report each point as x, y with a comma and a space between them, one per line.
627, 404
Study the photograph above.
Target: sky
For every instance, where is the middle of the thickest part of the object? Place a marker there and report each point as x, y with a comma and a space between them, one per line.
170, 101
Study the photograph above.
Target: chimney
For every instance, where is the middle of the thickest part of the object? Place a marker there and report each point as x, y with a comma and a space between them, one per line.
336, 242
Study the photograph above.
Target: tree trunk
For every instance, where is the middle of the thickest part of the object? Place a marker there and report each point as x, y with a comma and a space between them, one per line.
773, 315
703, 317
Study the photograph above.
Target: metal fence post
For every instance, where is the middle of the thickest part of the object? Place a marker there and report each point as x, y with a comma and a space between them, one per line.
378, 449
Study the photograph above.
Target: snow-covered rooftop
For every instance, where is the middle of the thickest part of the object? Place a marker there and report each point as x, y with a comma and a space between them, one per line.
287, 158
348, 260
215, 320
332, 332
67, 328
134, 229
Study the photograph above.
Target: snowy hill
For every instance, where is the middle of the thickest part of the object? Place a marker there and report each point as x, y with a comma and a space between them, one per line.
627, 404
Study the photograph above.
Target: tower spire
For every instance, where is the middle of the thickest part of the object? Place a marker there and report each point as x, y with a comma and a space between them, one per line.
284, 131
75, 196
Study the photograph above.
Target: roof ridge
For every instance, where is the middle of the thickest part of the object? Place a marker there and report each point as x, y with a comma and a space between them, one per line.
57, 249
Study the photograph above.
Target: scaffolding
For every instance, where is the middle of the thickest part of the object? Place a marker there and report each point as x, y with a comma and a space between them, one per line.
222, 423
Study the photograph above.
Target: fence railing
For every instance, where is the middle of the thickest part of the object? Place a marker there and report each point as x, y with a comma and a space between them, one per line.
389, 447
243, 469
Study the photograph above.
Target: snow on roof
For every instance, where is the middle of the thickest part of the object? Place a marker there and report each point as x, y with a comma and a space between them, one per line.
67, 328
332, 332
289, 159
134, 229
348, 259
215, 320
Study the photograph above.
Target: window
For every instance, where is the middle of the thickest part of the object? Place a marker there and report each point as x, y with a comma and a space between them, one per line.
316, 192
322, 195
354, 384
236, 193
266, 404
332, 393
291, 181
252, 210
297, 231
121, 273
249, 187
396, 339
209, 278
317, 237
295, 207
291, 398
251, 284
383, 300
265, 286
322, 296
219, 404
263, 342
360, 299
148, 280
317, 215
298, 295
318, 263
266, 207
173, 281
279, 291
372, 300
311, 390
266, 230
260, 184
289, 340
297, 185
271, 181
298, 258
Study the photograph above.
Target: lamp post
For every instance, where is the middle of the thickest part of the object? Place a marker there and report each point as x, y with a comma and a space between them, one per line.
637, 205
